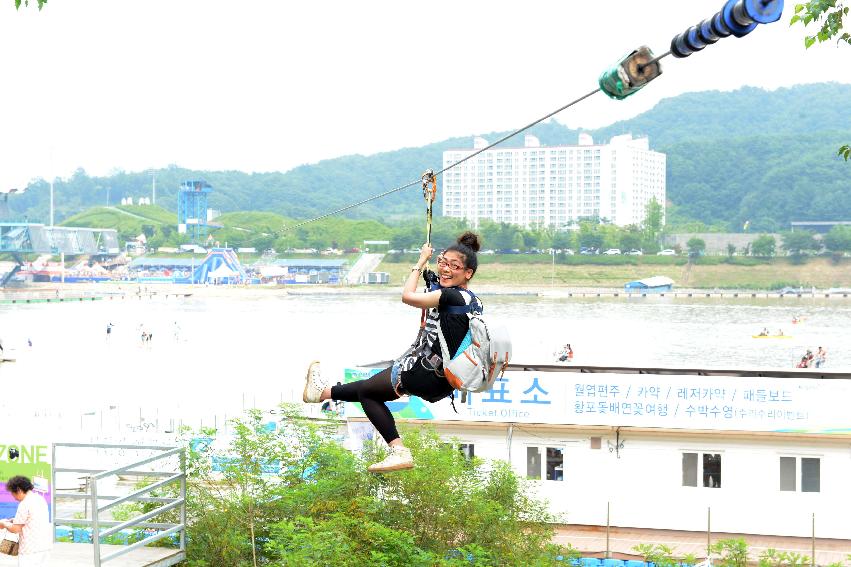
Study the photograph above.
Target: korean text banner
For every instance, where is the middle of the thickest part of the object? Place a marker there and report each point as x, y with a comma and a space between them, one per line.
644, 400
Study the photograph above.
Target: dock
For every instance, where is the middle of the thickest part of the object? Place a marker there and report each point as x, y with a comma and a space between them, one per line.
696, 293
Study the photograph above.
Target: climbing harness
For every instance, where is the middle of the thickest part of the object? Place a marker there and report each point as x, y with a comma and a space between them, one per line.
629, 75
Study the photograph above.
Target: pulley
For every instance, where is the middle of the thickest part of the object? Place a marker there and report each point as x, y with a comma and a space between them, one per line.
736, 17
630, 74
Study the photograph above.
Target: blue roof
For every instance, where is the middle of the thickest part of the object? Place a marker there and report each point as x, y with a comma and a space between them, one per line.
655, 281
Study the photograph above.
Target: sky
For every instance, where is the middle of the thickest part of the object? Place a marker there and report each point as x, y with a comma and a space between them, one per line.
267, 85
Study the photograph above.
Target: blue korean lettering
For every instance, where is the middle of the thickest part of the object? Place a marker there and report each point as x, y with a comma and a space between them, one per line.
535, 387
498, 395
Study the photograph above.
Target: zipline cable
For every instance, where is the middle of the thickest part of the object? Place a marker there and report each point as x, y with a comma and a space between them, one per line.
521, 130
445, 169
628, 76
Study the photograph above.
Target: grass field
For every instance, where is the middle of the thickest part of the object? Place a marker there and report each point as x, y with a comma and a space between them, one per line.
821, 273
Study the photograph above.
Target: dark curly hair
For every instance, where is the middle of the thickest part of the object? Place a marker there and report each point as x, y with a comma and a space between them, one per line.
17, 483
467, 245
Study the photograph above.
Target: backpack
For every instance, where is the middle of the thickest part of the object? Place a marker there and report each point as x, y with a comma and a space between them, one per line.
483, 354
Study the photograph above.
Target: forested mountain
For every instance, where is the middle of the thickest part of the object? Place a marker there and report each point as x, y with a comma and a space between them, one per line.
764, 156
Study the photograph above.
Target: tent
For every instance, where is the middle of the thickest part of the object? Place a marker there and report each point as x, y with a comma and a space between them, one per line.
222, 272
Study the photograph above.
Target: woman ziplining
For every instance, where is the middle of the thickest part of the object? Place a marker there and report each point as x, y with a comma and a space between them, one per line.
419, 371
428, 369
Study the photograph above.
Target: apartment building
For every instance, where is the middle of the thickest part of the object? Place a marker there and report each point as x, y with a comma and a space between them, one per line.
538, 186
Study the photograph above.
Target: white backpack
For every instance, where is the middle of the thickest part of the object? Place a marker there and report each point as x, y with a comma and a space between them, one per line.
483, 354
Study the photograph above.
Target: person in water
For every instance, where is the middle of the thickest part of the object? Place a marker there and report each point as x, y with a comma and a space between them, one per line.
418, 372
566, 354
821, 357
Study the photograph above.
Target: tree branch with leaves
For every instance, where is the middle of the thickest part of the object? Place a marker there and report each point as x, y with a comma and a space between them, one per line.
829, 13
18, 3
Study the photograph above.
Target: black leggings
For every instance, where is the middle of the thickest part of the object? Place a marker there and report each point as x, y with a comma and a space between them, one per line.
372, 393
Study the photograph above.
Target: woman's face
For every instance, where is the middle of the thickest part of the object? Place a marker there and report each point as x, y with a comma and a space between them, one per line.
451, 269
19, 495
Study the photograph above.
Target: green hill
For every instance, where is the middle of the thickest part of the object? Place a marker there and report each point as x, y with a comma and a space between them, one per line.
764, 156
128, 220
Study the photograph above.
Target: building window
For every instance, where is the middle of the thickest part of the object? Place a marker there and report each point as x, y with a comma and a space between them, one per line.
553, 463
707, 468
809, 473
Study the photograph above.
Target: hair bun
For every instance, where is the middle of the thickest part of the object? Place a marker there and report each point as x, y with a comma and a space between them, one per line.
471, 240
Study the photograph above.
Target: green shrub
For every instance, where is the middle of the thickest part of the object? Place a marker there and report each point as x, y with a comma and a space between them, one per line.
731, 552
323, 507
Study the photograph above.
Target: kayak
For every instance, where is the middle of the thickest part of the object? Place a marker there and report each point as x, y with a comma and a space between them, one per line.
771, 336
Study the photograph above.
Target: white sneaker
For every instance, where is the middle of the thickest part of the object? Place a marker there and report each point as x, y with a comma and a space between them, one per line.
399, 458
313, 384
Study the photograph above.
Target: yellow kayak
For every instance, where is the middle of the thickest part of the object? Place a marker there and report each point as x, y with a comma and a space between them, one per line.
771, 336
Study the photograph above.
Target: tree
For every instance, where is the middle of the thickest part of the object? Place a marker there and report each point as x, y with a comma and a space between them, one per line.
590, 236
563, 239
654, 221
731, 250
630, 241
406, 238
832, 11
838, 240
765, 246
798, 242
696, 247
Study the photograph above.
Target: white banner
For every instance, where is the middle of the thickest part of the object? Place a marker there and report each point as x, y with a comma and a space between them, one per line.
645, 400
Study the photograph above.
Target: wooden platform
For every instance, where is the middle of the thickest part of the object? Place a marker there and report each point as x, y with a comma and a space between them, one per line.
82, 555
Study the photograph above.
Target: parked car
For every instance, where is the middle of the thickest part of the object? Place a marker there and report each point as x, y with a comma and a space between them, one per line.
666, 252
635, 252
612, 252
567, 252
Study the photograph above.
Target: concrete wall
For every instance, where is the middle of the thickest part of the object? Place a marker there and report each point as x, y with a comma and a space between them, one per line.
716, 242
644, 483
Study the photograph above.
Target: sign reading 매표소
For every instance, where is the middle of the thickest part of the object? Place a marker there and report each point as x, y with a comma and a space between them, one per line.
644, 400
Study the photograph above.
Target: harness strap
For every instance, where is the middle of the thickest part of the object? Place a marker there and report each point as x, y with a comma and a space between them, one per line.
430, 194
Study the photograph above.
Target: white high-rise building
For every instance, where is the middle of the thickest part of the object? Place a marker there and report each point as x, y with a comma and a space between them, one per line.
536, 186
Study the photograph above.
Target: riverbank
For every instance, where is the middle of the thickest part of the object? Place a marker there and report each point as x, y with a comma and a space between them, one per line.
818, 276
821, 273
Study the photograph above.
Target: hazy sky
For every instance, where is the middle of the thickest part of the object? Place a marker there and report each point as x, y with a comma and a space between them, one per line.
268, 85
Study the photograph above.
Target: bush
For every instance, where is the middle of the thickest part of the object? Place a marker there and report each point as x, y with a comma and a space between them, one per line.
323, 508
731, 552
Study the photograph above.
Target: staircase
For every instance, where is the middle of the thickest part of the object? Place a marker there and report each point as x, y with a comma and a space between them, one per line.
365, 264
4, 278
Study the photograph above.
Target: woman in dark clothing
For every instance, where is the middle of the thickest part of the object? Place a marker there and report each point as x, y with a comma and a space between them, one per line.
418, 372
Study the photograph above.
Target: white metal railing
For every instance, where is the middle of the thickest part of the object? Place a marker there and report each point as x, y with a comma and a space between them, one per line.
93, 497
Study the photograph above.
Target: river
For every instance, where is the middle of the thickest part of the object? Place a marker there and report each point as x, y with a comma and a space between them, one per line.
214, 356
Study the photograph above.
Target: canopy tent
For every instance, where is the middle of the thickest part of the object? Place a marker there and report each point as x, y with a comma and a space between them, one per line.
222, 272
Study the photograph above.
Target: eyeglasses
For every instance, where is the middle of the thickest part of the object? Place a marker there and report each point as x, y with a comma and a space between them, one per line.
443, 263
